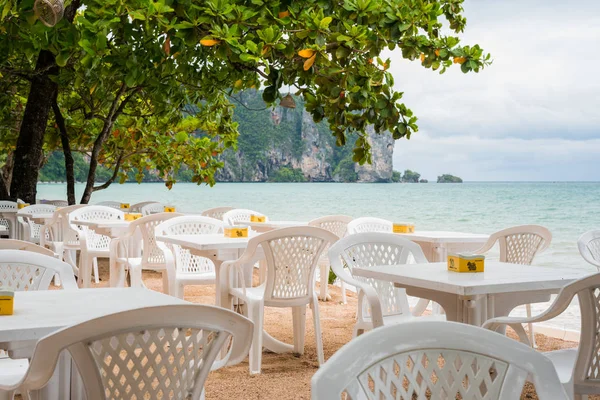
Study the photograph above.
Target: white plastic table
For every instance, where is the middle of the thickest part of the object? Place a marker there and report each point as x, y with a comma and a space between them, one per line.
437, 244
39, 313
111, 228
270, 225
473, 298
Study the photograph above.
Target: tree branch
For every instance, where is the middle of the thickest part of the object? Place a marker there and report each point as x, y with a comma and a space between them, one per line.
114, 175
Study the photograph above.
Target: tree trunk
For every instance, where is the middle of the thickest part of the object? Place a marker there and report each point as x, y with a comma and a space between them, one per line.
66, 146
28, 154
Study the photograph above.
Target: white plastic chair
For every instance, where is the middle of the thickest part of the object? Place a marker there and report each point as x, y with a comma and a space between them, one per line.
217, 212
147, 353
9, 219
370, 224
57, 203
112, 204
578, 369
232, 217
437, 360
379, 302
152, 257
62, 238
338, 225
152, 208
184, 268
291, 257
137, 207
519, 245
92, 244
31, 230
589, 247
14, 244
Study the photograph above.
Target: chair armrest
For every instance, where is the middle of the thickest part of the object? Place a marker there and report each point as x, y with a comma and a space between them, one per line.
515, 323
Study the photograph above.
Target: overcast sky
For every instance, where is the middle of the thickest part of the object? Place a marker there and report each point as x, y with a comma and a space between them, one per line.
534, 114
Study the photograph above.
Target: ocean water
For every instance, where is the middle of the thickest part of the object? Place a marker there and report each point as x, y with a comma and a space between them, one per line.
568, 209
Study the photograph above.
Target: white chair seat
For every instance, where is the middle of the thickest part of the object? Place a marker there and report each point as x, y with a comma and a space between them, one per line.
12, 371
133, 261
253, 293
190, 279
564, 362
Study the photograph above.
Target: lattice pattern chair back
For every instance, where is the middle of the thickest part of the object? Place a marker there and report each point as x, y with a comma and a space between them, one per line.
371, 249
33, 228
441, 360
151, 254
163, 352
336, 224
9, 223
93, 213
57, 203
25, 270
152, 208
112, 204
291, 255
185, 262
232, 217
519, 244
14, 244
217, 212
137, 207
589, 247
369, 224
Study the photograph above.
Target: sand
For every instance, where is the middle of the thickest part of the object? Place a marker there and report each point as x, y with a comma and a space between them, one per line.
287, 376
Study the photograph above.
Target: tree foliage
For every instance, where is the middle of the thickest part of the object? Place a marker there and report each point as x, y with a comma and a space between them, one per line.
125, 69
411, 176
447, 178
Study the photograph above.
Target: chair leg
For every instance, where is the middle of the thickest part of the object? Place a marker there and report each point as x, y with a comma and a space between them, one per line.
255, 314
165, 280
136, 276
299, 322
85, 275
530, 326
324, 280
179, 290
96, 275
343, 286
56, 280
318, 337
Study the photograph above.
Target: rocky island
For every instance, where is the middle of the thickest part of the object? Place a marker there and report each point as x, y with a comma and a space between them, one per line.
447, 178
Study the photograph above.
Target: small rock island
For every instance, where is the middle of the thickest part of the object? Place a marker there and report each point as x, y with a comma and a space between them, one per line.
447, 178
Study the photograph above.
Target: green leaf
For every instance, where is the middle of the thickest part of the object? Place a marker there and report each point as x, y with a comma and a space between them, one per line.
181, 137
324, 24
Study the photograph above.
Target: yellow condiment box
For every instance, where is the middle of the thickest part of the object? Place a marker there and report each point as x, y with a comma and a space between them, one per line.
7, 301
169, 209
258, 218
22, 205
236, 232
466, 262
124, 205
404, 228
132, 216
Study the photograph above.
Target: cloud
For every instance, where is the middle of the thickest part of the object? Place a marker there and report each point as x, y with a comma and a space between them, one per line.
542, 90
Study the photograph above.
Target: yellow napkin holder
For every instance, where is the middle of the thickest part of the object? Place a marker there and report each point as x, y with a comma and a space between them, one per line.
124, 205
169, 209
404, 228
132, 216
258, 218
22, 205
466, 262
7, 301
236, 231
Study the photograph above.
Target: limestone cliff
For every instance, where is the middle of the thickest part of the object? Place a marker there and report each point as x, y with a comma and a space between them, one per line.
277, 144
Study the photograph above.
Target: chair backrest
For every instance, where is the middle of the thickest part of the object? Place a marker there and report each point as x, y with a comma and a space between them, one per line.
519, 244
336, 224
369, 224
26, 270
93, 213
9, 222
437, 359
14, 244
152, 208
589, 247
146, 353
6, 205
291, 255
57, 203
371, 249
137, 207
34, 228
236, 215
111, 204
217, 212
151, 253
185, 262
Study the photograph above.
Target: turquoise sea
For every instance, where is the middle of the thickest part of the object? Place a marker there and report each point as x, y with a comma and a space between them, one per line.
568, 209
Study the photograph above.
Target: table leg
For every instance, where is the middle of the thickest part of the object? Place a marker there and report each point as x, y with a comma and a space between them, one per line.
116, 270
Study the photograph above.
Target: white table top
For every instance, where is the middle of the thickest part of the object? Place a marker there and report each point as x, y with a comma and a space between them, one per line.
272, 224
38, 313
104, 224
497, 278
446, 237
206, 242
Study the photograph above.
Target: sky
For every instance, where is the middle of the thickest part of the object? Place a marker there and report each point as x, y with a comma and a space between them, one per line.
533, 115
